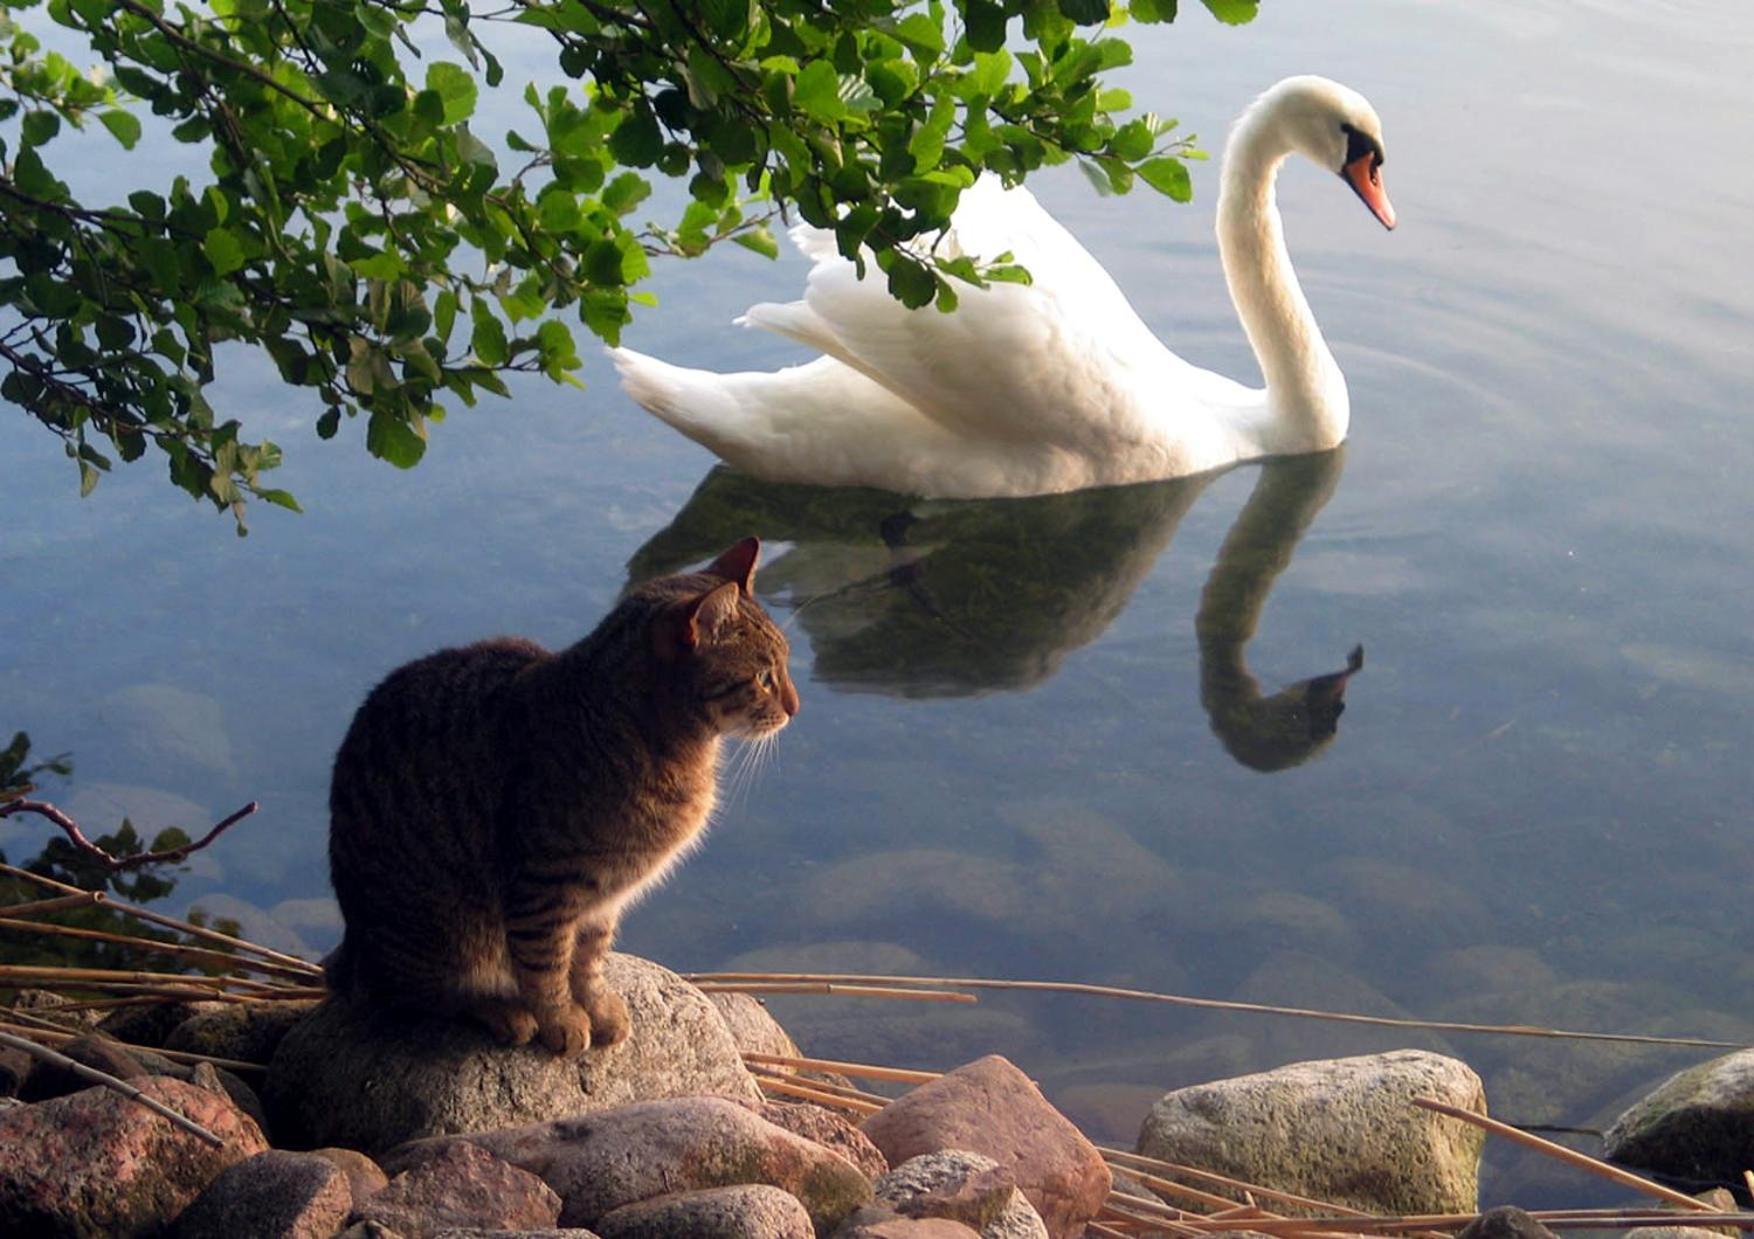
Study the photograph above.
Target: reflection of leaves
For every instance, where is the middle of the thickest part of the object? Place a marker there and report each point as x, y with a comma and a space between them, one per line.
16, 776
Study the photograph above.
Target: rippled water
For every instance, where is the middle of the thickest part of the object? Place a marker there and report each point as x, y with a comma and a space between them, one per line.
1038, 739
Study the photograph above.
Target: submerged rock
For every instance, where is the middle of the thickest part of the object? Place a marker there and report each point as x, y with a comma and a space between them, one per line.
1341, 1130
343, 1078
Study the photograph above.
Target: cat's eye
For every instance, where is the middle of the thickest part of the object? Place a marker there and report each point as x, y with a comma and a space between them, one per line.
765, 680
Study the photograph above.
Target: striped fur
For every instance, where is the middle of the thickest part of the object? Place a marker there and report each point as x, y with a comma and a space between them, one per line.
494, 808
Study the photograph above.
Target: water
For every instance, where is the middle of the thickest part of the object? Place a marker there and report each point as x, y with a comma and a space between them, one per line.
1015, 757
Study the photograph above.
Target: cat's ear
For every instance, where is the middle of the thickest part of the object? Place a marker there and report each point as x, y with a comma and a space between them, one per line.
738, 564
691, 624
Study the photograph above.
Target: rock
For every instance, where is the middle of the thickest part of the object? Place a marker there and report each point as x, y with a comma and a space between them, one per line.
1698, 1124
881, 1222
961, 1187
344, 1078
828, 1128
364, 1176
97, 1163
746, 1211
461, 1185
1505, 1222
167, 725
47, 1079
48, 1002
991, 1107
219, 1080
273, 1195
751, 1026
15, 1065
150, 1023
475, 1232
601, 1161
248, 1032
1341, 1130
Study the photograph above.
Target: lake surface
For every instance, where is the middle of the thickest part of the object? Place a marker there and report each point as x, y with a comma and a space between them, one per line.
1017, 757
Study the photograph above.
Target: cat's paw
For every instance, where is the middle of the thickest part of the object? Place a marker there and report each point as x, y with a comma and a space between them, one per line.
609, 1021
510, 1023
566, 1031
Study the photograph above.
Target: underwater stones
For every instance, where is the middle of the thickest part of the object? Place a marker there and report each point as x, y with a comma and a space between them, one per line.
1342, 1130
600, 1161
1698, 1124
167, 725
99, 1163
1300, 979
990, 1107
342, 1077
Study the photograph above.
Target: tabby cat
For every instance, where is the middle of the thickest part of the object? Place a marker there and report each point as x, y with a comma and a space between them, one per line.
494, 808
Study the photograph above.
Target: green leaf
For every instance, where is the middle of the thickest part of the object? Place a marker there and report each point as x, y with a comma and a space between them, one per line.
225, 253
282, 499
125, 126
761, 240
637, 140
390, 438
1168, 175
1151, 12
38, 126
1085, 12
456, 86
1233, 12
817, 92
921, 33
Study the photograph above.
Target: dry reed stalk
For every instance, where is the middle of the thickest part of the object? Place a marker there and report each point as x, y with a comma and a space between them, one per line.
830, 987
1572, 1157
171, 922
787, 1086
1158, 1183
58, 904
827, 1086
71, 975
863, 1070
1748, 1178
1181, 1000
148, 944
1140, 1161
109, 1081
187, 1057
1414, 1223
1108, 1232
1143, 1222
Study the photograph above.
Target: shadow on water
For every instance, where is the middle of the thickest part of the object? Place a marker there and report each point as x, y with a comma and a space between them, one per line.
940, 598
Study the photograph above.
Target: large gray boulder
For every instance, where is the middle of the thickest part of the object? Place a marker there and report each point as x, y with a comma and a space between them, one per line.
345, 1078
1698, 1124
1342, 1130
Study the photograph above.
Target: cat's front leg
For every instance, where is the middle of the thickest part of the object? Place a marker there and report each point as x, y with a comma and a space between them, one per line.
539, 941
607, 1009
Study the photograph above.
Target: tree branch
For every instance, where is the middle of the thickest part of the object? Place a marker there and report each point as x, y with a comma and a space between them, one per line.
120, 864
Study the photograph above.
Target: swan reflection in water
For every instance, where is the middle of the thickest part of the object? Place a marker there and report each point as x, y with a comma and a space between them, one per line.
936, 598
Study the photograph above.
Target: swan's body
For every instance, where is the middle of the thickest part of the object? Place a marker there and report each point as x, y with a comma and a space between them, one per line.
1048, 387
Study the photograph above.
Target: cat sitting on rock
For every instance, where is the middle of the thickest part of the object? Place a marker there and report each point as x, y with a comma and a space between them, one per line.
495, 807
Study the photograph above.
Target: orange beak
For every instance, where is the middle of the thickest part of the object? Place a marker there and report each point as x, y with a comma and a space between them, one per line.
1364, 174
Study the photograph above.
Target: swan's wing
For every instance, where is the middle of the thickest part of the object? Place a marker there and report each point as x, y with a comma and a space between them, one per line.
824, 423
1064, 361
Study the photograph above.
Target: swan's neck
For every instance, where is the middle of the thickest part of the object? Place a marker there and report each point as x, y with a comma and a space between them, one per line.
1306, 407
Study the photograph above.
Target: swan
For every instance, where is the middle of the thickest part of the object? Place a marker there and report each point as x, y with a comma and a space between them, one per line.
1047, 387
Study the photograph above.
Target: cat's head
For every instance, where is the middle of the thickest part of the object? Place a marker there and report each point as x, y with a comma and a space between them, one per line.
731, 654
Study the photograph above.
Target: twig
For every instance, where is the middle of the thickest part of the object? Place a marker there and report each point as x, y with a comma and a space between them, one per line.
1211, 1004
121, 864
109, 1081
832, 987
52, 905
1134, 1163
237, 962
1582, 1161
171, 922
187, 1057
788, 1086
839, 1068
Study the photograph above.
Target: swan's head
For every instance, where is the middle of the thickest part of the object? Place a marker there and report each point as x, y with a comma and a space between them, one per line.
1336, 127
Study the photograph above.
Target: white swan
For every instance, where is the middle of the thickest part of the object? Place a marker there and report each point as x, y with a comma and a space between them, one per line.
1049, 387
